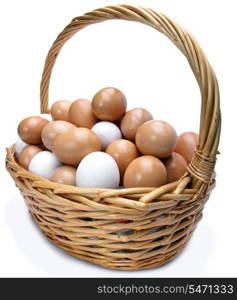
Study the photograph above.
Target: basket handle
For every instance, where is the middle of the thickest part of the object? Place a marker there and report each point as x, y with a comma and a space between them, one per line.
203, 163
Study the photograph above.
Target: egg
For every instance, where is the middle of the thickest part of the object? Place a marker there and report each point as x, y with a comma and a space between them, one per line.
52, 130
123, 152
145, 171
19, 146
109, 104
176, 166
59, 110
30, 129
156, 138
64, 175
71, 146
26, 155
107, 132
80, 114
186, 145
132, 120
43, 164
98, 170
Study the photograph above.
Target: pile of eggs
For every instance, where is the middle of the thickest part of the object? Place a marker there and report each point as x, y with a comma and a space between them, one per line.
98, 144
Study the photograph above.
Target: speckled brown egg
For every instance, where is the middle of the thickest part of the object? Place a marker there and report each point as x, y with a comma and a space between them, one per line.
26, 155
59, 110
71, 146
52, 130
132, 120
64, 175
123, 152
30, 129
109, 104
80, 114
186, 145
156, 138
145, 171
176, 166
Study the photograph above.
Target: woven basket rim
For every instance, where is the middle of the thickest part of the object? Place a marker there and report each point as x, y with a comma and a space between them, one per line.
58, 188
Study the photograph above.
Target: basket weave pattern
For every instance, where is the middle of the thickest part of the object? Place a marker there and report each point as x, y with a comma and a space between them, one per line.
133, 228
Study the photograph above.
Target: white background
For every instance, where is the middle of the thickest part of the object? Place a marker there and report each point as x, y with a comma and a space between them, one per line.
153, 74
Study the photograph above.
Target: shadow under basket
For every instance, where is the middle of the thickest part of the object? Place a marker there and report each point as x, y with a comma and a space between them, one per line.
135, 228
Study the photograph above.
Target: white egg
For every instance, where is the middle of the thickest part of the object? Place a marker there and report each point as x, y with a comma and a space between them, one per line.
19, 146
98, 170
43, 164
107, 132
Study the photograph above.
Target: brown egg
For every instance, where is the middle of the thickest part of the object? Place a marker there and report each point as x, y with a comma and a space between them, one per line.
64, 175
52, 130
175, 167
186, 145
145, 171
156, 138
123, 152
109, 104
71, 146
80, 114
30, 129
132, 120
59, 110
26, 155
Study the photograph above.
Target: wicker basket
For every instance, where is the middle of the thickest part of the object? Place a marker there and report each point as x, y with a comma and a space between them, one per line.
133, 228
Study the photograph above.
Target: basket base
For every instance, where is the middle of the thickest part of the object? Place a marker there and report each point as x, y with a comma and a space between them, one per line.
123, 264
128, 266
